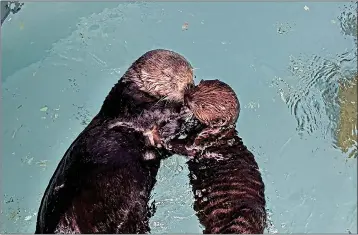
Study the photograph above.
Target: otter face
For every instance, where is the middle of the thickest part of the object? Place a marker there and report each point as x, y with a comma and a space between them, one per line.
213, 103
162, 73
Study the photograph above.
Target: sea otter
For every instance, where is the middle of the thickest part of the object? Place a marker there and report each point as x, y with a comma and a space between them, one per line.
225, 178
104, 180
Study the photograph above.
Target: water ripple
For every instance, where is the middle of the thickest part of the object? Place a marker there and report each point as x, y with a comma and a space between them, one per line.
348, 19
311, 90
304, 101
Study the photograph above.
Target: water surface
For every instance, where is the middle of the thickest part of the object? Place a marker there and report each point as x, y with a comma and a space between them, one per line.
292, 65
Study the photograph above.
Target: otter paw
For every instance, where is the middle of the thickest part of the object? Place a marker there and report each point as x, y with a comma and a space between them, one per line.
153, 137
192, 150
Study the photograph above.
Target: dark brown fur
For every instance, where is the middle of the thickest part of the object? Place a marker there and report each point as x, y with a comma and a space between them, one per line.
104, 180
225, 178
213, 103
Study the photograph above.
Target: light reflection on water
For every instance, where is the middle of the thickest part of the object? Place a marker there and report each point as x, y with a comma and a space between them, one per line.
298, 118
315, 97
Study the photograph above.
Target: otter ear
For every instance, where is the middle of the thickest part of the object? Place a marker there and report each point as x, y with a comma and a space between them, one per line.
201, 80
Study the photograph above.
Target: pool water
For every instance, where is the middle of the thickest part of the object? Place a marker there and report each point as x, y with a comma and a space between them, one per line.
292, 65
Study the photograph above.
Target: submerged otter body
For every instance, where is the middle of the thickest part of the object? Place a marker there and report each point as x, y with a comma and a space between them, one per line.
103, 182
225, 178
228, 187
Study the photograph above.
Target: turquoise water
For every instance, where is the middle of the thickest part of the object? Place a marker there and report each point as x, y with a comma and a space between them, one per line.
284, 60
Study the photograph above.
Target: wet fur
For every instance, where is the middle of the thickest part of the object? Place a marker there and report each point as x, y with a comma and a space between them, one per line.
213, 102
227, 184
103, 182
225, 178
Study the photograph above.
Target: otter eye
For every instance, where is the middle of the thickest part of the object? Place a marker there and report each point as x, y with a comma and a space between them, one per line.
202, 106
190, 86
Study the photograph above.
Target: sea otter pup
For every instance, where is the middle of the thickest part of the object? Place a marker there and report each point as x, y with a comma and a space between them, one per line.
104, 180
225, 178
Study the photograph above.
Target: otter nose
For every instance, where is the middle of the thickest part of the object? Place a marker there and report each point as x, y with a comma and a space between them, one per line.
187, 99
189, 87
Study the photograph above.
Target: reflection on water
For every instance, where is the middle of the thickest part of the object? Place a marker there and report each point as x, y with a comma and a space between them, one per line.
347, 125
321, 93
311, 92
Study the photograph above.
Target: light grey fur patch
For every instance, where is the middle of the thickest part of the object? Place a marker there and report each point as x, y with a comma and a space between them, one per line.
149, 155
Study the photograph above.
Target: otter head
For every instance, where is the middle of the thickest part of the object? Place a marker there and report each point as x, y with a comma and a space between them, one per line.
213, 103
162, 74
